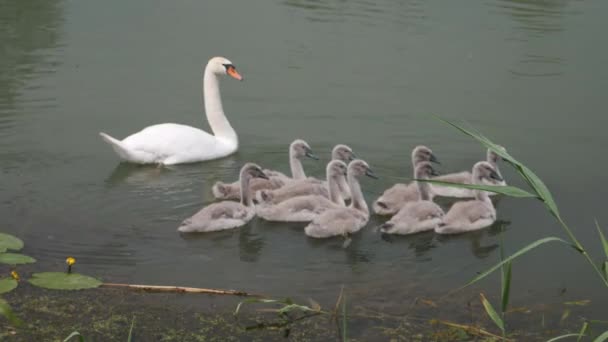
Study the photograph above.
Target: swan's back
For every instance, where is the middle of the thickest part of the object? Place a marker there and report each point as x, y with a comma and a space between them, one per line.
414, 217
218, 216
296, 209
292, 189
393, 198
335, 222
171, 143
467, 216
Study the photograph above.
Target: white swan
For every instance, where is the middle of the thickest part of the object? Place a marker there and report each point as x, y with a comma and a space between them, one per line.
306, 208
465, 177
474, 214
420, 215
171, 143
276, 179
309, 185
396, 196
226, 214
347, 220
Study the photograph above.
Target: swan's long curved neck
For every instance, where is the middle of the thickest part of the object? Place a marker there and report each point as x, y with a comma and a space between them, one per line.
246, 198
479, 194
423, 188
335, 194
358, 201
213, 108
297, 171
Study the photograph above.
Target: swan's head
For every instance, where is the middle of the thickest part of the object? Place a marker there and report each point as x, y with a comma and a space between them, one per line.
251, 170
485, 170
300, 148
425, 170
492, 157
222, 66
336, 168
423, 154
358, 168
343, 153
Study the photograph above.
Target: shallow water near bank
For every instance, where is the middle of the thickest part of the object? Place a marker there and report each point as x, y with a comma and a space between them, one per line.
528, 74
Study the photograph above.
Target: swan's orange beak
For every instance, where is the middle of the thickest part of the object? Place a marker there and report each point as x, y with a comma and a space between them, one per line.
233, 73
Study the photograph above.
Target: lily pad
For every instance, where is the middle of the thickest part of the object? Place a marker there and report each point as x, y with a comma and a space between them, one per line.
15, 259
7, 285
63, 281
8, 241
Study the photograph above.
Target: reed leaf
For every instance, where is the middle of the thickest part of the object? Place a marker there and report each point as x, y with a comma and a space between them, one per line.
74, 334
506, 286
603, 238
582, 332
561, 337
517, 254
504, 190
6, 311
492, 313
603, 337
344, 338
130, 337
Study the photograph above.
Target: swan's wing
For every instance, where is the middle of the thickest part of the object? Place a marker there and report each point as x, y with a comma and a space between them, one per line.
175, 141
463, 177
335, 222
227, 210
394, 198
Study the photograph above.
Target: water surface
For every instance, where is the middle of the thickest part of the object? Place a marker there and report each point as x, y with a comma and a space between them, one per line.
529, 74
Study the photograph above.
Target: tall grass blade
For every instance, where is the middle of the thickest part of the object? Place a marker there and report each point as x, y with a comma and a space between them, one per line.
603, 238
7, 311
504, 190
517, 254
130, 337
603, 337
561, 337
582, 332
492, 313
506, 287
344, 338
74, 334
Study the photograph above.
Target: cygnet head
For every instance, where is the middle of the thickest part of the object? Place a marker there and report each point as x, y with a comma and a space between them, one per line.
222, 66
251, 170
424, 170
300, 148
336, 168
343, 153
359, 168
423, 154
485, 170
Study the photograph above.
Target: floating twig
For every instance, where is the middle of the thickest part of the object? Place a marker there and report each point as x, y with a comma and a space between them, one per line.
179, 289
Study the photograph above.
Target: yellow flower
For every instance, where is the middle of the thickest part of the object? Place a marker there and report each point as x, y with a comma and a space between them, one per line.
15, 275
70, 261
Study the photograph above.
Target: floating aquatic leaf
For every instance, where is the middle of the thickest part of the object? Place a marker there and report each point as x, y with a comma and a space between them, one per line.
6, 311
15, 259
7, 285
8, 241
492, 313
63, 281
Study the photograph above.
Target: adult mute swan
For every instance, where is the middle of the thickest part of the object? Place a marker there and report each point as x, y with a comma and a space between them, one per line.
171, 143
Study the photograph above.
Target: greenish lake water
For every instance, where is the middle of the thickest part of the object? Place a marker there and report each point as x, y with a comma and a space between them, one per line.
530, 74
